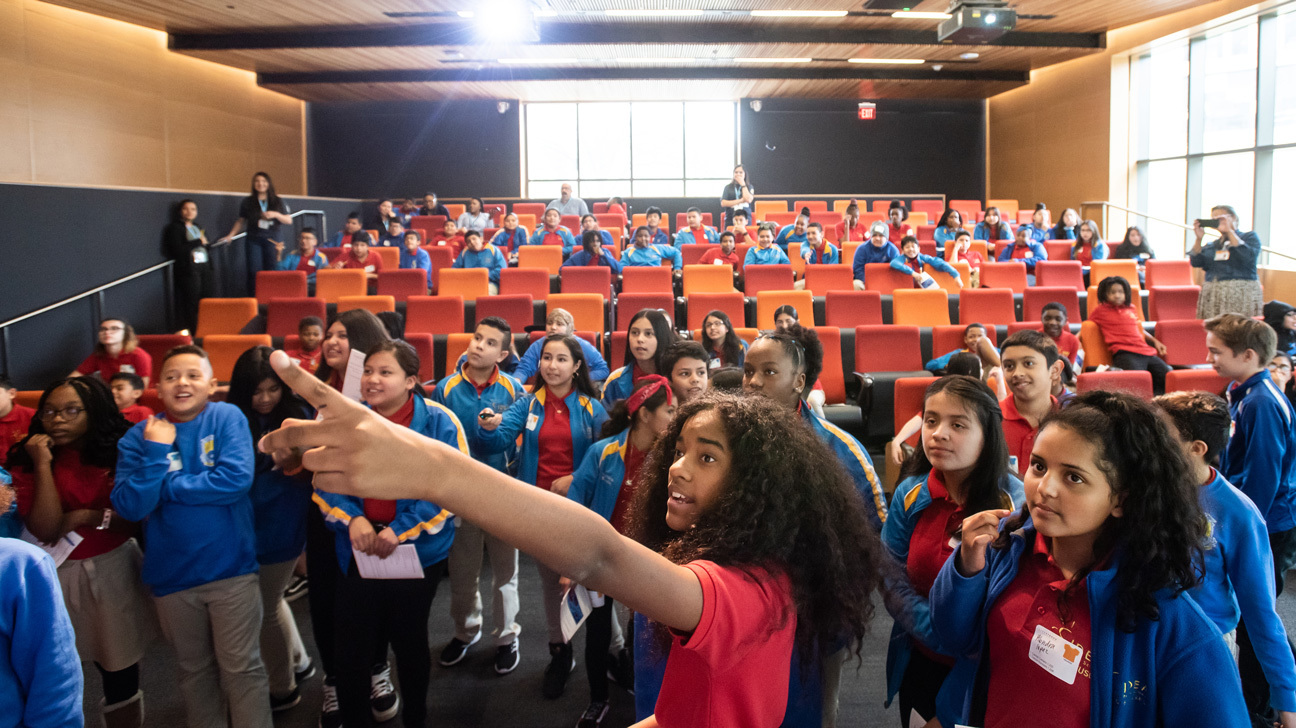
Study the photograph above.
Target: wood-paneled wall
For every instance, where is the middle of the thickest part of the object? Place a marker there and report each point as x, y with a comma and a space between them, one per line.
85, 100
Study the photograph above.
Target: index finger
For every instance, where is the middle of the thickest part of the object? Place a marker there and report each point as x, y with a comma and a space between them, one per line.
326, 400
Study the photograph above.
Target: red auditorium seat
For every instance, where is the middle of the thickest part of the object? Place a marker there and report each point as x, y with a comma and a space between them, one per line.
692, 253
883, 278
1138, 384
848, 309
612, 222
909, 393
434, 315
587, 279
1060, 274
283, 314
516, 310
969, 209
1058, 250
638, 279
1035, 297
1025, 326
1167, 273
157, 345
1170, 303
887, 349
1004, 275
990, 306
933, 208
820, 279
401, 284
832, 377
628, 304
534, 282
529, 208
767, 278
616, 346
280, 284
441, 257
700, 304
1185, 342
423, 346
571, 222
1195, 380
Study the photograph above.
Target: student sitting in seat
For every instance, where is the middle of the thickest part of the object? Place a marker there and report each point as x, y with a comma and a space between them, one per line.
696, 233
15, 418
1089, 245
552, 233
117, 351
652, 219
478, 254
794, 233
342, 237
310, 334
646, 254
850, 229
877, 250
360, 258
509, 237
992, 228
897, 228
912, 262
765, 252
1039, 229
590, 223
406, 210
305, 258
1024, 250
414, 256
817, 251
1054, 318
395, 235
1029, 362
724, 253
475, 217
975, 342
1132, 348
948, 228
1068, 227
451, 237
432, 206
739, 227
592, 252
686, 366
963, 251
560, 321
127, 388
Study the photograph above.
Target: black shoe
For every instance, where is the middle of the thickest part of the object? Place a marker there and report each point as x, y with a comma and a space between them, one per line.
297, 588
593, 715
507, 657
330, 713
561, 664
621, 670
384, 703
456, 650
305, 673
287, 702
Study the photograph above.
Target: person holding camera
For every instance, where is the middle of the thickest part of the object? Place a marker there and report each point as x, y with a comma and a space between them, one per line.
1231, 285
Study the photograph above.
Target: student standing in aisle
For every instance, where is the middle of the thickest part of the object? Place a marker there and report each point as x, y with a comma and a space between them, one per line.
260, 215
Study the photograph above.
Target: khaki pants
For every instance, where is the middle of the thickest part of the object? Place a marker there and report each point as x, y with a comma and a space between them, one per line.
551, 592
281, 644
215, 630
465, 581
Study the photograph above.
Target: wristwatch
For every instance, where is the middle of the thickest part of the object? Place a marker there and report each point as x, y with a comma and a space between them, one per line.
107, 519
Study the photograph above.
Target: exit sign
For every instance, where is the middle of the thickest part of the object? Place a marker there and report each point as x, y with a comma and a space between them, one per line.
867, 111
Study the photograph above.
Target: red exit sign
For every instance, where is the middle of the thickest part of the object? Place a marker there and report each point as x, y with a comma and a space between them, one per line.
867, 111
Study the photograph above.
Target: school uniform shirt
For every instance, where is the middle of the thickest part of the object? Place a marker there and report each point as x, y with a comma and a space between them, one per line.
455, 243
619, 384
561, 236
421, 260
1261, 452
1229, 263
1086, 253
602, 474
896, 233
701, 236
651, 256
40, 670
855, 459
526, 417
826, 254
773, 255
1068, 344
505, 240
1121, 329
870, 253
339, 239
1151, 676
13, 428
909, 266
391, 241
135, 361
279, 505
973, 258
605, 259
296, 261
371, 264
858, 232
425, 524
942, 362
467, 399
530, 361
1030, 254
194, 494
1018, 433
1062, 232
715, 359
478, 222
308, 360
787, 235
137, 413
715, 256
489, 257
1038, 234
1238, 583
659, 237
918, 535
78, 486
982, 231
943, 234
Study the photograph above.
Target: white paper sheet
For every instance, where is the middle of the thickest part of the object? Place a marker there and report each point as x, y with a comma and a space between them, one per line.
60, 550
402, 564
574, 610
354, 372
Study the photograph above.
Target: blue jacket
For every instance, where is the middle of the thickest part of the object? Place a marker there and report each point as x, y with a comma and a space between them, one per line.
855, 459
1239, 583
1038, 253
459, 394
1099, 250
429, 526
942, 362
786, 236
651, 256
684, 236
526, 416
773, 255
1261, 452
568, 242
391, 241
1241, 263
714, 357
1039, 235
293, 259
195, 495
658, 238
901, 263
943, 235
40, 671
419, 260
870, 253
489, 257
831, 255
982, 231
598, 479
527, 366
606, 260
912, 612
10, 522
1153, 676
504, 241
618, 386
279, 504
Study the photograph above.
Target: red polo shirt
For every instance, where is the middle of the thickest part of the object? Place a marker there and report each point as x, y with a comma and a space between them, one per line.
136, 361
897, 232
740, 236
1083, 253
307, 263
715, 257
383, 511
308, 360
931, 543
555, 440
634, 458
1120, 329
1069, 345
856, 232
1018, 432
371, 264
137, 413
551, 237
973, 258
13, 427
699, 235
1030, 601
79, 486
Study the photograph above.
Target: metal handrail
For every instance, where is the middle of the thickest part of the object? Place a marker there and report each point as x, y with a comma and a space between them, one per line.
323, 222
91, 292
1209, 231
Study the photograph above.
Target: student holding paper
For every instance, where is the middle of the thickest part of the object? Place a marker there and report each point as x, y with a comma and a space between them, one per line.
396, 607
63, 477
915, 264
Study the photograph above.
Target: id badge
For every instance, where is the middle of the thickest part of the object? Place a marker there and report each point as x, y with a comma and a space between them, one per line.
717, 261
311, 262
1221, 255
265, 224
369, 269
199, 256
532, 421
1057, 656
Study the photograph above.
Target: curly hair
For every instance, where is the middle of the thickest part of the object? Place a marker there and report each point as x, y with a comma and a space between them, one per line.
1117, 281
1162, 527
105, 425
803, 347
786, 503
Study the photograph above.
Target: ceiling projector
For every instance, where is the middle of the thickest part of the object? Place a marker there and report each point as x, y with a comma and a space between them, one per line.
974, 22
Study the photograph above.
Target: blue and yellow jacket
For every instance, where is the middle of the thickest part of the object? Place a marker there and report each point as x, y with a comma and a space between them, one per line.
526, 417
982, 231
1098, 250
618, 386
1152, 676
582, 258
1037, 250
685, 236
489, 257
912, 612
293, 259
429, 526
504, 241
279, 504
459, 394
773, 255
1239, 583
568, 242
598, 479
901, 263
855, 459
661, 237
651, 256
870, 253
194, 494
420, 260
1260, 459
830, 256
786, 235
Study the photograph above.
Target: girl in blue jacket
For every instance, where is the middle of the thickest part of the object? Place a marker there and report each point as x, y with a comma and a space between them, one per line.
648, 337
398, 608
1072, 610
558, 422
960, 468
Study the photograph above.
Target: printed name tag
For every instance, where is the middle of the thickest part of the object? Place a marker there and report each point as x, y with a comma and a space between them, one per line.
532, 421
1012, 463
265, 224
954, 542
717, 261
1029, 254
173, 462
1060, 658
311, 262
1221, 255
199, 256
128, 368
369, 269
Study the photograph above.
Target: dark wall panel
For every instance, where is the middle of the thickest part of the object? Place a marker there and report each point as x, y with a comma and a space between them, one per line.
372, 149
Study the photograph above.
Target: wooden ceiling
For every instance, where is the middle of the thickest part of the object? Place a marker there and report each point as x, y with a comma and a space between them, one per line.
347, 50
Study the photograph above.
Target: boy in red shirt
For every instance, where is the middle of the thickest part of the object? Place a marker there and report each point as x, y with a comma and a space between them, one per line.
1029, 358
450, 237
739, 226
726, 252
1054, 318
127, 388
359, 258
14, 418
310, 332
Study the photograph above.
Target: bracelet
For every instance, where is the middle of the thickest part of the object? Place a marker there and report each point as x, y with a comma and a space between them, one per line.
107, 519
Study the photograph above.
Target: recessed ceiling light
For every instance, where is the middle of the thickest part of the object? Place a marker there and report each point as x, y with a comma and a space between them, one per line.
654, 60
536, 61
891, 61
465, 13
652, 12
798, 13
920, 15
770, 60
969, 56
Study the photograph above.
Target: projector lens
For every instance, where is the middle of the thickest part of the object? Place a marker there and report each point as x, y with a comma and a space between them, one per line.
990, 18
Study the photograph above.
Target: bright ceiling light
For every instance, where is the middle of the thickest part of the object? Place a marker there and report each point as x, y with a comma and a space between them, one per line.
535, 61
969, 56
920, 15
653, 12
770, 60
890, 61
465, 13
654, 60
546, 13
798, 13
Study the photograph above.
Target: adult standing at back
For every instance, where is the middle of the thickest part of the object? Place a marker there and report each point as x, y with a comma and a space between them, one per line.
568, 205
737, 195
1231, 285
260, 215
186, 244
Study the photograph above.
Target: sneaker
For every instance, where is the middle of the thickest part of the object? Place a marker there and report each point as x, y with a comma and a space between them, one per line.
305, 673
384, 703
456, 650
507, 657
278, 705
330, 713
593, 715
621, 670
297, 588
561, 664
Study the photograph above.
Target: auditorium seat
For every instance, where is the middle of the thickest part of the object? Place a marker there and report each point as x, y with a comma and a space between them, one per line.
920, 307
814, 205
990, 306
796, 261
470, 283
1035, 297
587, 279
883, 278
225, 315
440, 257
280, 284
969, 209
1100, 269
1059, 250
613, 222
157, 345
691, 253
1185, 342
640, 279
933, 208
517, 310
628, 304
640, 219
977, 246
455, 347
572, 223
1004, 275
1095, 348
401, 284
616, 350
529, 208
700, 304
528, 221
707, 279
585, 308
1167, 273
1025, 326
330, 285
1060, 273
884, 354
534, 282
425, 347
1137, 299
1195, 380
820, 279
372, 304
927, 247
766, 278
223, 350
284, 314
782, 218
1007, 208
1168, 303
945, 339
549, 257
768, 301
390, 256
832, 377
909, 394
765, 206
848, 309
434, 315
1136, 383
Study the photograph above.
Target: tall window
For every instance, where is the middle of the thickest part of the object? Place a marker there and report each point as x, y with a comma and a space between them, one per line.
639, 149
1214, 122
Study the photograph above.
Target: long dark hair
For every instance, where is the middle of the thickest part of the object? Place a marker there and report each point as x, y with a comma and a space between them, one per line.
364, 330
731, 348
774, 512
251, 369
1097, 236
105, 425
662, 331
1162, 527
1126, 249
272, 198
944, 218
981, 489
581, 380
619, 418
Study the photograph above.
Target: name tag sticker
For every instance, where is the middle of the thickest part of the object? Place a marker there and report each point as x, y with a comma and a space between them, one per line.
1053, 653
1221, 255
532, 421
265, 224
717, 261
128, 368
173, 462
199, 256
369, 269
311, 262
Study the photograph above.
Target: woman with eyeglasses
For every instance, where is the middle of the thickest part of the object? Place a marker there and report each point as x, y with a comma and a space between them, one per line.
117, 350
63, 477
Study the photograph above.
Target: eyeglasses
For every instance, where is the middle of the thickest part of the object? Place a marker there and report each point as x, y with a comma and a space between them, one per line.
104, 329
69, 413
1273, 367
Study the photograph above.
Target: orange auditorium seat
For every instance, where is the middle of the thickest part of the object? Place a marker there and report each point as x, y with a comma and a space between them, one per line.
225, 315
768, 301
920, 307
372, 304
470, 283
585, 308
331, 284
549, 257
1095, 348
225, 349
1127, 269
707, 279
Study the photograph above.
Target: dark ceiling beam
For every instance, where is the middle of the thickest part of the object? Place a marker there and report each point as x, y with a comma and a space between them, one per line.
461, 33
601, 74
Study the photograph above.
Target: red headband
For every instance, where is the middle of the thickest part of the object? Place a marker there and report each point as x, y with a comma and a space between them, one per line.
641, 395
